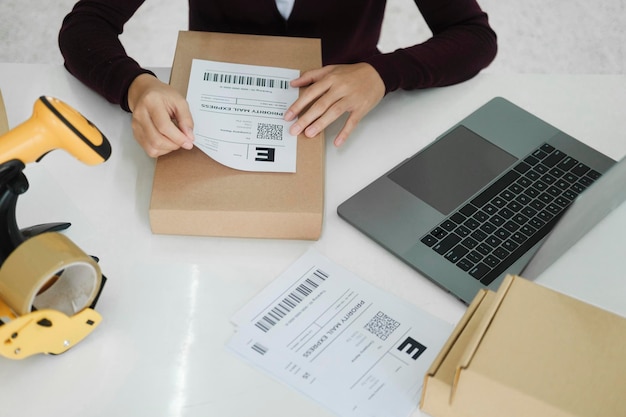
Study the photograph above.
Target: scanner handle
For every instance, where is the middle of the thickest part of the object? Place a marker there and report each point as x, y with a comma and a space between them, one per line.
54, 125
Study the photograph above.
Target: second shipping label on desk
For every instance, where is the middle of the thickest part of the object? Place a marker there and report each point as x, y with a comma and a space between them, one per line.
352, 347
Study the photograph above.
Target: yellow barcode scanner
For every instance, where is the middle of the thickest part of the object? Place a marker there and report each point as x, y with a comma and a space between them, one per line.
54, 125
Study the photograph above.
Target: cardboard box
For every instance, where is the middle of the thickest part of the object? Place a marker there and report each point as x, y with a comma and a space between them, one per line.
4, 123
194, 195
530, 351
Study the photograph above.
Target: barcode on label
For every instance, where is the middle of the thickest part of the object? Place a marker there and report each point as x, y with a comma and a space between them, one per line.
288, 303
248, 80
259, 348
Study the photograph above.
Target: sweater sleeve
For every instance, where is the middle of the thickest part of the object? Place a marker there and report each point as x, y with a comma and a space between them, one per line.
462, 44
89, 43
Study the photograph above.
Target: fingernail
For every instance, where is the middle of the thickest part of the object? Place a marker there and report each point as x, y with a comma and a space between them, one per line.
188, 145
311, 131
289, 115
295, 129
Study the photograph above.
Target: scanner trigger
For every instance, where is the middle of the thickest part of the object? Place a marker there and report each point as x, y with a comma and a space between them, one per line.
41, 157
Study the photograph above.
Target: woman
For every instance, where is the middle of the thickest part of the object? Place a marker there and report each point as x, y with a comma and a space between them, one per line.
354, 78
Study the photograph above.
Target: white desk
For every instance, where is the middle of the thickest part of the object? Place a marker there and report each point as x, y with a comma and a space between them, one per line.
167, 303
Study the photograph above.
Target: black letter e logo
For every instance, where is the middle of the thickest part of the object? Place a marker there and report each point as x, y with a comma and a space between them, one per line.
413, 347
265, 154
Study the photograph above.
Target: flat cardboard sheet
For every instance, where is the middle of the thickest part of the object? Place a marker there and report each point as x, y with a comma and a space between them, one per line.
194, 195
530, 351
4, 123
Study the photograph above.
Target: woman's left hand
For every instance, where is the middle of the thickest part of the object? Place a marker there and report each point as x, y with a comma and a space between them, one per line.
332, 91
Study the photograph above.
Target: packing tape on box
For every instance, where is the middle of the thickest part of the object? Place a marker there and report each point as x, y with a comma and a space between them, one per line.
47, 286
48, 271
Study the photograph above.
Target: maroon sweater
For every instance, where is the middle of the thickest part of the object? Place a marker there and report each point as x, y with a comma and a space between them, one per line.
462, 43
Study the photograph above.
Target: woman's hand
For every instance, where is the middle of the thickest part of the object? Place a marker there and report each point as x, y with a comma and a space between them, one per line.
161, 120
332, 91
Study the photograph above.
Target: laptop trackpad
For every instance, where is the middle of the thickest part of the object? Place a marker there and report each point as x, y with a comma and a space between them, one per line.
452, 169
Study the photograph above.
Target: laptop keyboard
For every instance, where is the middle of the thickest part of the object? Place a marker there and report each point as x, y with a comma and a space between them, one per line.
488, 234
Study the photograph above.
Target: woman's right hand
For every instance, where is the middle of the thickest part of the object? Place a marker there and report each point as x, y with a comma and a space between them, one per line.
161, 121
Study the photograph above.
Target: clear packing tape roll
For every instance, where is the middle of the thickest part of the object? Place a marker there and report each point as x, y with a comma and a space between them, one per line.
47, 286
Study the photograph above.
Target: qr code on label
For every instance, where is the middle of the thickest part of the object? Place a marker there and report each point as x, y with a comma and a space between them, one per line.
382, 325
268, 131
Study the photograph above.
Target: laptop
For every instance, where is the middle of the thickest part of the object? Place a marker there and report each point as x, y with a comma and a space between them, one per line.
478, 202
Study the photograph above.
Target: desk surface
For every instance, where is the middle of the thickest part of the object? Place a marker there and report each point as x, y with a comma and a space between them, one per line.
168, 300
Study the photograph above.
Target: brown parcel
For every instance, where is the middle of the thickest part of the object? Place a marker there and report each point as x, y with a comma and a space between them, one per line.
530, 351
4, 123
194, 195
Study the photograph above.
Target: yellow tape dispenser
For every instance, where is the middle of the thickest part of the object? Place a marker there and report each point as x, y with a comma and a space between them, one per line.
48, 285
